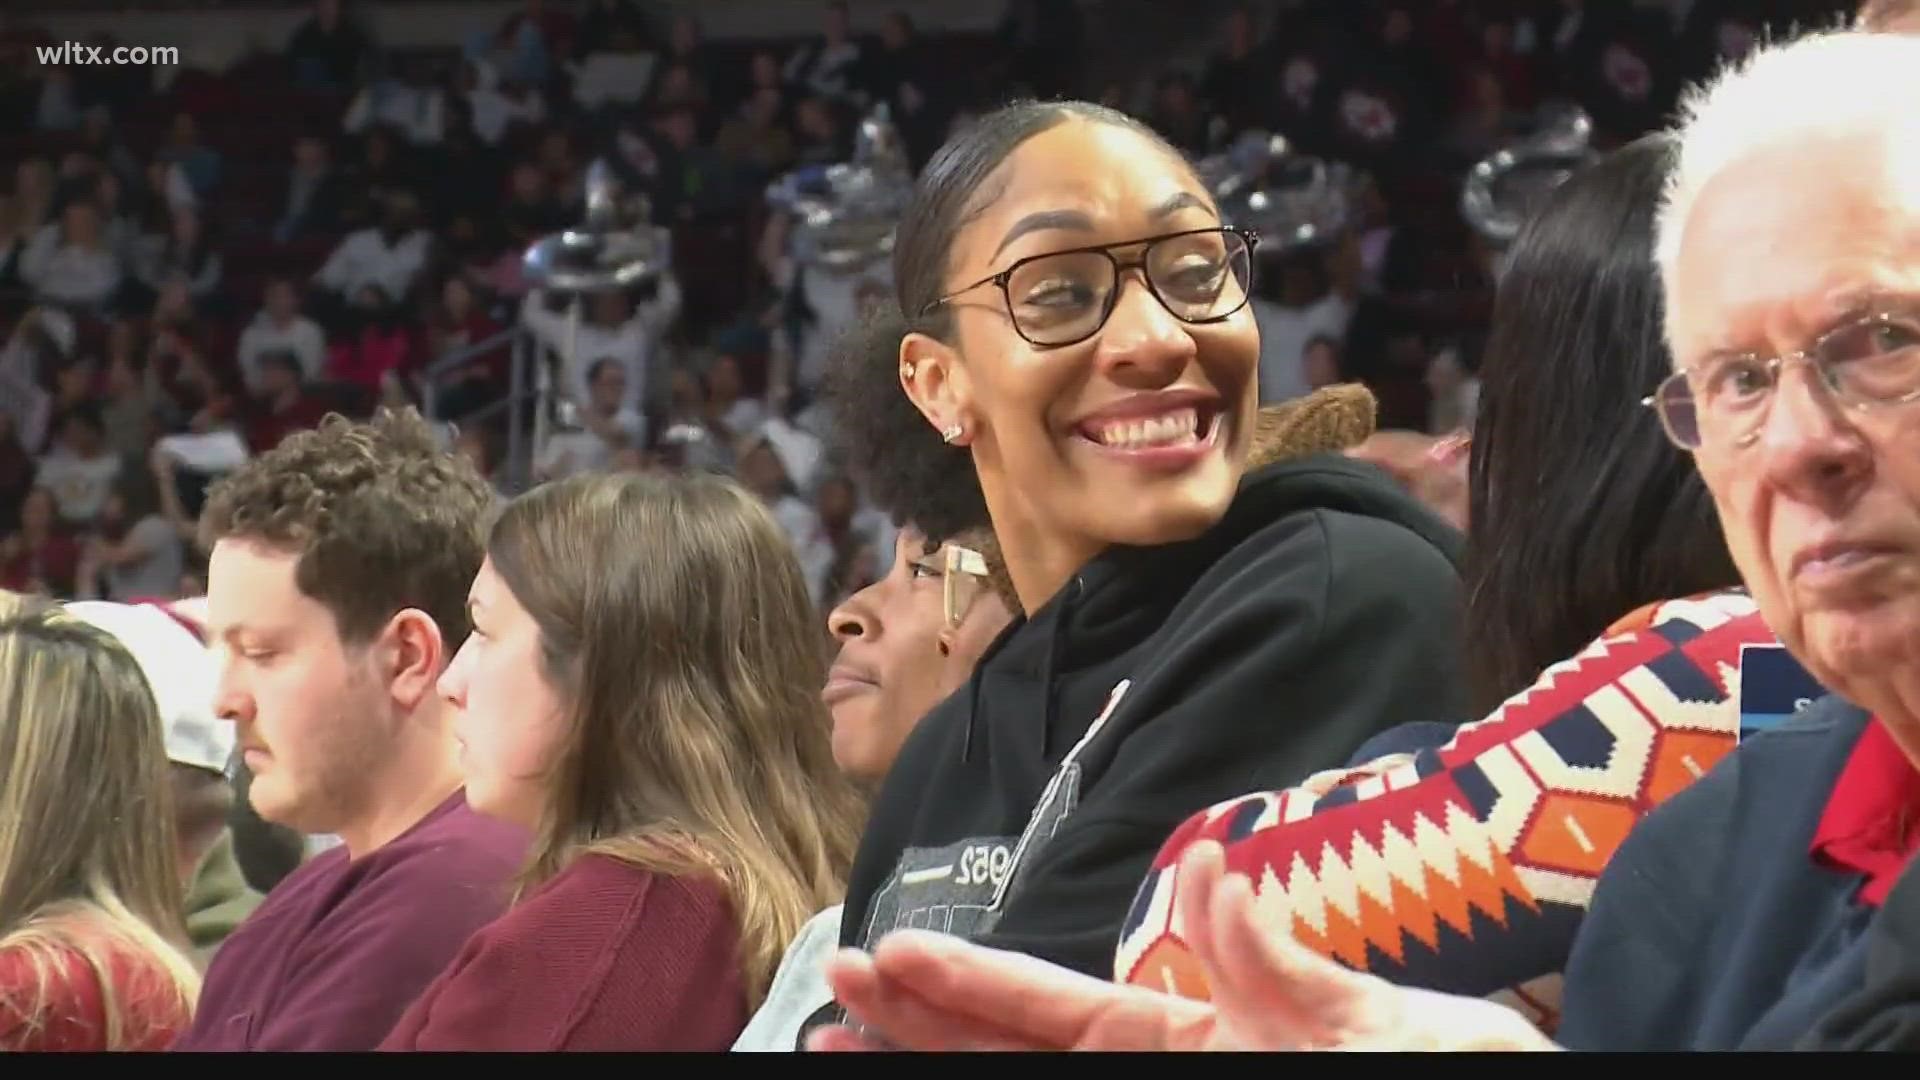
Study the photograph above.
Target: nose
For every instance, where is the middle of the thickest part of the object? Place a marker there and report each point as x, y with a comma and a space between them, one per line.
452, 684
854, 618
1142, 344
1807, 444
231, 700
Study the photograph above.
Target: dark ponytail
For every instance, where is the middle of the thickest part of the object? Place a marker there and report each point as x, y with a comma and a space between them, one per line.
906, 468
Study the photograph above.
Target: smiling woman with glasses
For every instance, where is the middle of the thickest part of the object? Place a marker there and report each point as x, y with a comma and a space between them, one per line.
1070, 362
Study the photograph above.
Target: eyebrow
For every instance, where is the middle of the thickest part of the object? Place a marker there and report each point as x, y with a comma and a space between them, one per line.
1080, 222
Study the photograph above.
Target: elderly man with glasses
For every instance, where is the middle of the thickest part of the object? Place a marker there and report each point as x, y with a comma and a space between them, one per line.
1735, 916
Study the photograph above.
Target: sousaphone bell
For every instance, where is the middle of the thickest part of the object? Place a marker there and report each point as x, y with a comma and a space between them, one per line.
844, 215
1504, 189
1294, 201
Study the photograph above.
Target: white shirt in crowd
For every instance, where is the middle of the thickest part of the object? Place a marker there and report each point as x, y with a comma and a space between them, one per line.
64, 273
810, 542
418, 112
633, 342
365, 258
80, 485
299, 335
495, 112
1284, 333
834, 300
612, 78
570, 452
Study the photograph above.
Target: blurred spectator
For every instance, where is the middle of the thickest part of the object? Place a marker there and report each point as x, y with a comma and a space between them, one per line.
384, 168
59, 107
1300, 297
531, 210
40, 556
456, 322
75, 383
897, 73
764, 73
497, 104
755, 137
387, 258
279, 327
731, 415
1178, 116
1238, 82
613, 326
829, 65
316, 192
409, 104
184, 252
12, 246
281, 404
41, 342
531, 43
616, 72
679, 88
1456, 393
777, 465
16, 474
1482, 123
166, 187
69, 263
608, 425
33, 194
130, 408
373, 344
566, 175
200, 162
822, 137
329, 50
854, 533
80, 468
134, 552
100, 138
187, 362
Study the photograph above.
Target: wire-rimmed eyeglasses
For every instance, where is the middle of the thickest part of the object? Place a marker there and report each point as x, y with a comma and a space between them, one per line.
1064, 297
1865, 362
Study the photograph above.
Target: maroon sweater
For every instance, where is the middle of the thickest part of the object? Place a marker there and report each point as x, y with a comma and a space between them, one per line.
340, 948
606, 956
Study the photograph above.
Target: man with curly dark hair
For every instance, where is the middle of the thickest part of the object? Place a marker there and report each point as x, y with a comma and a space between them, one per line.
336, 596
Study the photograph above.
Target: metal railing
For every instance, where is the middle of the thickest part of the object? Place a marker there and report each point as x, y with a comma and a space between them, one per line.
524, 384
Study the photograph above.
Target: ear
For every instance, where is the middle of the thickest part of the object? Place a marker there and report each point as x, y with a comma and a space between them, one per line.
412, 654
937, 384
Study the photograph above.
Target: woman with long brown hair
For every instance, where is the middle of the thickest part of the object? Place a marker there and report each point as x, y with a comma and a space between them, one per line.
641, 692
92, 937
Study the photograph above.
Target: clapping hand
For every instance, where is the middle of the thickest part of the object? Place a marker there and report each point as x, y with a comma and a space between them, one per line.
926, 991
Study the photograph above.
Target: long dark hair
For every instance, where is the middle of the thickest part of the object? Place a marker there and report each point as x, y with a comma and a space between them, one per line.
883, 439
1581, 510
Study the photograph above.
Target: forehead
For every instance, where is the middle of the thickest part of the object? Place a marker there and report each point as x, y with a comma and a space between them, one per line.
1111, 174
1786, 240
251, 584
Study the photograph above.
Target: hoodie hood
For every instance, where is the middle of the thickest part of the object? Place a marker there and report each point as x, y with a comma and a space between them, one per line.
1123, 595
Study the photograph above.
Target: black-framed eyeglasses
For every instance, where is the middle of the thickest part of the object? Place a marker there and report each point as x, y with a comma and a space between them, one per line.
1865, 362
1065, 297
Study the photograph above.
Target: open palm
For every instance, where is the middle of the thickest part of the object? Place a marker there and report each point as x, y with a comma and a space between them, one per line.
924, 991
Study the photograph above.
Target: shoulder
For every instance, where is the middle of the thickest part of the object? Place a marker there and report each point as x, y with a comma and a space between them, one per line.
456, 850
600, 900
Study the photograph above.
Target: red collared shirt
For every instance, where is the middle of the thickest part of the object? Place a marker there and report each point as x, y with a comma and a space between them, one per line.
1872, 822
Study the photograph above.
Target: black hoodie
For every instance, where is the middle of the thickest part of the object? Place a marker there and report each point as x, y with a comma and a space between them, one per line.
1322, 609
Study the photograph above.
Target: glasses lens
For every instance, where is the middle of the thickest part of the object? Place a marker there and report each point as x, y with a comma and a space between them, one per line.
1874, 361
1201, 276
1060, 299
1674, 402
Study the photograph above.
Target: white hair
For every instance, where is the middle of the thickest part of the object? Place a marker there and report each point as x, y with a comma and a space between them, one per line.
1840, 82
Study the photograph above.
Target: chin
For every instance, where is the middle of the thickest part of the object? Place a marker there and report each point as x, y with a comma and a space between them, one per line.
1168, 517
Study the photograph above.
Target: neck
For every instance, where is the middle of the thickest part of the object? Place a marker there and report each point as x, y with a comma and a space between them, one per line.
1040, 563
421, 774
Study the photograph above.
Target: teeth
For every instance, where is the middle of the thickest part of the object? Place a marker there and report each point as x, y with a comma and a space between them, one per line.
1169, 429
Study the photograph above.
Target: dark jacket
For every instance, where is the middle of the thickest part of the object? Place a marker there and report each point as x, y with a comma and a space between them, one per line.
1321, 609
1712, 927
1885, 1014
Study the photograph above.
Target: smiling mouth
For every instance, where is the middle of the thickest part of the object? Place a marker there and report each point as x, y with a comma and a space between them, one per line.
1186, 428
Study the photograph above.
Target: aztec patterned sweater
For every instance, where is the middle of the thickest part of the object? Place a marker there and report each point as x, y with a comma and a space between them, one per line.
1468, 867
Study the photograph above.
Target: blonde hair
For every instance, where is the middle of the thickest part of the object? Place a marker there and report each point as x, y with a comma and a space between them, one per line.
675, 621
88, 864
